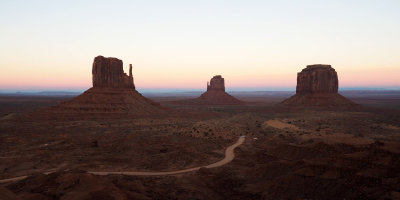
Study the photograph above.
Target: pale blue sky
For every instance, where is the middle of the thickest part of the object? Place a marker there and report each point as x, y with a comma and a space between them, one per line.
182, 44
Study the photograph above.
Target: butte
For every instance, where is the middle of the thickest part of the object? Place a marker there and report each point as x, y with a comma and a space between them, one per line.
215, 95
113, 93
317, 86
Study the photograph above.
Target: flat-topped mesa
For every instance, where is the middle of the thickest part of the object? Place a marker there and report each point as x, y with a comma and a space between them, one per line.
109, 72
317, 79
217, 83
317, 87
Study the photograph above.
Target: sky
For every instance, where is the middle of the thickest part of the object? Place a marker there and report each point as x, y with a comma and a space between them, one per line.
50, 45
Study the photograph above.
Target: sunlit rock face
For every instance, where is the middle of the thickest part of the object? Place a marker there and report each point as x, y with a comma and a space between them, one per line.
317, 79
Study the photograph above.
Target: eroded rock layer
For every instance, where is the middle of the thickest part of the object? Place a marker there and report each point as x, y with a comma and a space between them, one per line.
320, 100
109, 100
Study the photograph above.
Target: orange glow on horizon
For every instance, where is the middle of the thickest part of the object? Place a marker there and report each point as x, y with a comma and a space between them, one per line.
347, 78
182, 44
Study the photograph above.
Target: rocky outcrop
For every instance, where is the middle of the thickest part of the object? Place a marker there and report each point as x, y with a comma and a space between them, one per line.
215, 95
108, 72
113, 92
217, 83
317, 86
317, 79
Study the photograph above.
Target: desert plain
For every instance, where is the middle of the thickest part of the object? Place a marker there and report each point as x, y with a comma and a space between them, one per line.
288, 153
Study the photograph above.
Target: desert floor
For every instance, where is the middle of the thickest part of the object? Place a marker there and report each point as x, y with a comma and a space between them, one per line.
288, 153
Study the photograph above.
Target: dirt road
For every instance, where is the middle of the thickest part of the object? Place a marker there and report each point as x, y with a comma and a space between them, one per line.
229, 156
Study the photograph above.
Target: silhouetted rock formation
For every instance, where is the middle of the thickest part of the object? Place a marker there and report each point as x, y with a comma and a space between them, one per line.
215, 95
113, 92
108, 72
317, 86
217, 83
317, 79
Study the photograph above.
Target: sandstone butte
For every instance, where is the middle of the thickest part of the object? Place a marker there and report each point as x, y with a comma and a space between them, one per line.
108, 72
317, 86
215, 94
113, 92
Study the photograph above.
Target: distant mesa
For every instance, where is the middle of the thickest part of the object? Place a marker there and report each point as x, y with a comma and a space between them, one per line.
215, 95
113, 92
317, 86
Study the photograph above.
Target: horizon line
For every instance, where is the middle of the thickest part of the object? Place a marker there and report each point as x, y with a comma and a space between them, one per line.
161, 90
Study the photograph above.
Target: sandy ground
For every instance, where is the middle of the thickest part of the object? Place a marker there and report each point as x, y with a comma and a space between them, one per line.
229, 156
337, 138
279, 124
303, 154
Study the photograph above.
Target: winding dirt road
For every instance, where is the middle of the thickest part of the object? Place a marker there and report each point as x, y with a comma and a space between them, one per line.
229, 156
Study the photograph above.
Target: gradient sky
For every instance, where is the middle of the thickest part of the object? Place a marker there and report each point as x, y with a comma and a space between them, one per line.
50, 45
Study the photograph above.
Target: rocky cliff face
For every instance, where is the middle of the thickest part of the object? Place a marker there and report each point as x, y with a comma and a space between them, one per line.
317, 86
108, 72
217, 83
317, 79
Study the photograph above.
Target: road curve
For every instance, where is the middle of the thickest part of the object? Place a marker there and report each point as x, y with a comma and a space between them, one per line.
229, 156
